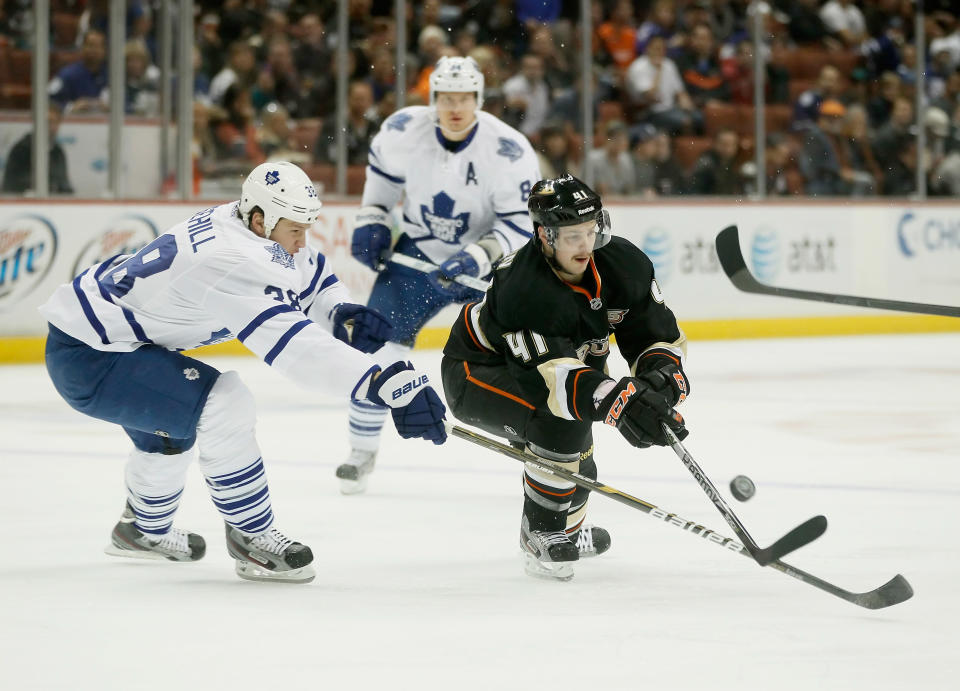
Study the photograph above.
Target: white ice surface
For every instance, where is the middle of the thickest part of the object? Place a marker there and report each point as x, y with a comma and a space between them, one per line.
419, 581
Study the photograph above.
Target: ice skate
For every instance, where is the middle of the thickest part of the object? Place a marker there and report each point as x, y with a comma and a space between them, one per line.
354, 472
270, 557
590, 540
547, 554
176, 545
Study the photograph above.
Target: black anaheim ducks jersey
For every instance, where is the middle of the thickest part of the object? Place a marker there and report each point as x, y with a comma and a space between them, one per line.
553, 336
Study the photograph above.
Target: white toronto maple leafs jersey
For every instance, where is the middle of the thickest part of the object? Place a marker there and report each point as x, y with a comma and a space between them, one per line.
211, 279
452, 198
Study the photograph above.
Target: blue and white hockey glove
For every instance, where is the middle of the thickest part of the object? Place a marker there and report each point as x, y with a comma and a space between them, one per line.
361, 327
472, 260
416, 408
371, 236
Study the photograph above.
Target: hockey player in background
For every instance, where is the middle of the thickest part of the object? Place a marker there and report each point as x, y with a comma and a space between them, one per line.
240, 270
464, 177
528, 362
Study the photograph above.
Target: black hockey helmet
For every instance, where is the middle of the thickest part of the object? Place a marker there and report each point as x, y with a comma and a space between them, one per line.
567, 201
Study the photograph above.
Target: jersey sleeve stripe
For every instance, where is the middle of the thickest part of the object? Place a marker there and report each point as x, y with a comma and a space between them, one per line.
327, 282
260, 319
321, 262
391, 178
516, 228
135, 326
488, 387
573, 396
512, 213
88, 310
282, 343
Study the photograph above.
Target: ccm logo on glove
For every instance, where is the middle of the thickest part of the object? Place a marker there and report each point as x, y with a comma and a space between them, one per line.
613, 415
409, 386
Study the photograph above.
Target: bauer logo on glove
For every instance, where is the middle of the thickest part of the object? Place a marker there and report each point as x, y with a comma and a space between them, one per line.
409, 386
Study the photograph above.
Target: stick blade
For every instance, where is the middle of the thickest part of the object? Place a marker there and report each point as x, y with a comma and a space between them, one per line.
893, 592
803, 534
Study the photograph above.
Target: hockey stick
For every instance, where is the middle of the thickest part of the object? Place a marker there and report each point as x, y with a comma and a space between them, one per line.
731, 259
798, 537
427, 267
893, 592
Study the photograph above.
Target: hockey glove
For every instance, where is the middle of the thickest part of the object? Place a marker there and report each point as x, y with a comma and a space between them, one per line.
668, 380
472, 260
361, 327
637, 411
371, 236
416, 408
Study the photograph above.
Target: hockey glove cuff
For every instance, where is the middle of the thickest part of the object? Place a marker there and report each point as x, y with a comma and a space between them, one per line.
637, 411
371, 236
361, 327
416, 408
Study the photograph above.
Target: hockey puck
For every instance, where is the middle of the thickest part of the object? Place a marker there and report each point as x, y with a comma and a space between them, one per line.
742, 488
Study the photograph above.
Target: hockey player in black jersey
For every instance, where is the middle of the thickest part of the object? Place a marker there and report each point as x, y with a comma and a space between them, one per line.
528, 362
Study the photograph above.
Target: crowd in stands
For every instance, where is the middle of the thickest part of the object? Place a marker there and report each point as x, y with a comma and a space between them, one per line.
673, 83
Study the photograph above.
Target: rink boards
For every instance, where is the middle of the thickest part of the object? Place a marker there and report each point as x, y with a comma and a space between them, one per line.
885, 250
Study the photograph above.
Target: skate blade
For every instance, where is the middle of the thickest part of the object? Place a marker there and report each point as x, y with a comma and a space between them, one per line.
549, 570
253, 572
115, 551
349, 487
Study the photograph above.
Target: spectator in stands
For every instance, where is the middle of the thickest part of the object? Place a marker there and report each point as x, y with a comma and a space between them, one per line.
554, 152
945, 178
235, 134
556, 68
949, 100
887, 140
279, 80
881, 105
716, 171
865, 176
610, 167
78, 87
275, 136
900, 178
660, 22
311, 52
807, 108
643, 147
819, 159
722, 19
700, 68
383, 73
275, 25
844, 21
528, 96
203, 147
805, 27
143, 80
361, 128
431, 44
618, 37
669, 177
18, 173
241, 69
210, 45
778, 155
654, 82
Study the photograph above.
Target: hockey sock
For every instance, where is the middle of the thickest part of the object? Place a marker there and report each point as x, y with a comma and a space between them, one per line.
547, 498
578, 502
230, 458
366, 423
154, 487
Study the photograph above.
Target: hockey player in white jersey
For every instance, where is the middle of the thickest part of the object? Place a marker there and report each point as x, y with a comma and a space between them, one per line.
240, 270
464, 178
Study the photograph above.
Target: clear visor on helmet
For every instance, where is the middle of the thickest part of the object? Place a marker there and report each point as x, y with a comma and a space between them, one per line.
587, 234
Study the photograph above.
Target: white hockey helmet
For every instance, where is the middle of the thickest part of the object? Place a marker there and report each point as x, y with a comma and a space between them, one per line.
281, 190
459, 75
